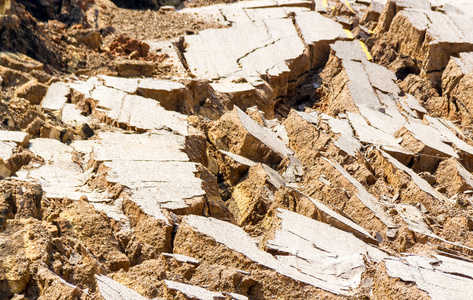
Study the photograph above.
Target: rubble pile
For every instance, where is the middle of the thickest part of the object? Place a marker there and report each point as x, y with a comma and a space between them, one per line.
291, 149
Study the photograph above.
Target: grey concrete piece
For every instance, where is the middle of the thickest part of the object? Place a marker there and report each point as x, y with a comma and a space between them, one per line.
348, 50
60, 176
229, 87
85, 87
113, 210
6, 150
431, 137
330, 254
265, 135
245, 49
424, 271
108, 99
346, 139
315, 28
294, 171
129, 85
371, 135
238, 158
112, 290
71, 115
341, 222
159, 146
18, 137
381, 78
192, 291
443, 28
379, 119
159, 85
238, 240
465, 62
448, 134
137, 111
464, 7
365, 197
182, 258
455, 266
56, 96
412, 102
359, 85
390, 106
421, 183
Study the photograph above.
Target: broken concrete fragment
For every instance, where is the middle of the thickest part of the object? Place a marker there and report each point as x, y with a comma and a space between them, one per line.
318, 32
413, 104
429, 36
247, 49
304, 243
381, 78
170, 95
234, 241
424, 271
420, 138
174, 288
112, 290
129, 85
56, 96
348, 50
371, 135
238, 133
328, 216
18, 137
135, 111
182, 258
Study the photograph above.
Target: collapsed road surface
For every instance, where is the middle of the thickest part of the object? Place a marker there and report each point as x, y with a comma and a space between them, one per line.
270, 149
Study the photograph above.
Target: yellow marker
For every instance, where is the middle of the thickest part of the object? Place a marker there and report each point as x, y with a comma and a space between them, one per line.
349, 34
324, 3
349, 7
333, 7
368, 55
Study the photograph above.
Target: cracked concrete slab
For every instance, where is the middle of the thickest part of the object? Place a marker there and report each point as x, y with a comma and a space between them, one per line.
424, 271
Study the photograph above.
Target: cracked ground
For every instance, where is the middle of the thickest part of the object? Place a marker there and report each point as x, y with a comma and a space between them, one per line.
273, 149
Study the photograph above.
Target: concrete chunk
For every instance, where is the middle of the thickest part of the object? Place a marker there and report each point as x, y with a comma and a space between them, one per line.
56, 96
129, 85
112, 290
424, 271
18, 137
238, 133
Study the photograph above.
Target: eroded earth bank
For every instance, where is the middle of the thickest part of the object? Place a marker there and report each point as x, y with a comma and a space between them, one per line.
270, 149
